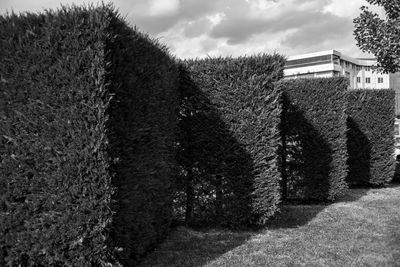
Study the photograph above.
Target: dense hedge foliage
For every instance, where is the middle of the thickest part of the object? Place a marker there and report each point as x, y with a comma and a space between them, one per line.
87, 114
314, 137
230, 116
370, 136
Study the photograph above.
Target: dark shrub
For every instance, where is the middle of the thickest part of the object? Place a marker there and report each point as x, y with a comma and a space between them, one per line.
370, 136
314, 137
87, 118
229, 121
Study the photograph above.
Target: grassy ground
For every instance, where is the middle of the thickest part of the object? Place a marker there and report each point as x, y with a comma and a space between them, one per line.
362, 229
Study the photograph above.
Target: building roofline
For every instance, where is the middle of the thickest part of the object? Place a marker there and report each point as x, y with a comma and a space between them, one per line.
366, 58
314, 54
357, 61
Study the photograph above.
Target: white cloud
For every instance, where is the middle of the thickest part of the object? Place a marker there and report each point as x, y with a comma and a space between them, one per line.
350, 8
197, 28
163, 7
36, 6
344, 8
216, 18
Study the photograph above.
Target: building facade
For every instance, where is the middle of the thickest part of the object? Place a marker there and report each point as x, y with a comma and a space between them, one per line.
332, 63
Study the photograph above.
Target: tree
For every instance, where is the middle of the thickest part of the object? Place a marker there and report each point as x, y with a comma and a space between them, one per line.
380, 37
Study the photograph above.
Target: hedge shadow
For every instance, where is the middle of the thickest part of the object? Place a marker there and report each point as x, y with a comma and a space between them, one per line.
314, 151
230, 119
307, 157
372, 114
359, 150
215, 182
142, 126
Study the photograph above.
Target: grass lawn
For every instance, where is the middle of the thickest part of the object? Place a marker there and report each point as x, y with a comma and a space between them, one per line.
362, 229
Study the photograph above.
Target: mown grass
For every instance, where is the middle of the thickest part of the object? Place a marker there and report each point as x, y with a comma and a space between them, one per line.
362, 229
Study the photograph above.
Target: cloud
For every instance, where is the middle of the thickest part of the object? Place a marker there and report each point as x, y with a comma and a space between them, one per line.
156, 20
163, 7
238, 27
197, 27
155, 25
194, 28
350, 9
323, 28
238, 30
35, 6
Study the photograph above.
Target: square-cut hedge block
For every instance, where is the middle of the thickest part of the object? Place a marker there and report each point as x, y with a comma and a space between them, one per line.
230, 125
87, 122
371, 115
314, 136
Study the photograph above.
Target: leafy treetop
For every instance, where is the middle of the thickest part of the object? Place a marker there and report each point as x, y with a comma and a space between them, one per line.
380, 37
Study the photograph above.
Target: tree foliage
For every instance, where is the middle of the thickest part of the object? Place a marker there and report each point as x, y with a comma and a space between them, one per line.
380, 37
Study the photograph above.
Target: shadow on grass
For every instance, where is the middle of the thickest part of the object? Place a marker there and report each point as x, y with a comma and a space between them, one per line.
293, 216
187, 247
395, 240
299, 214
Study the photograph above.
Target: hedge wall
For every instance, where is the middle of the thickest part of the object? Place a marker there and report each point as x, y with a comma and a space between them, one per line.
87, 115
370, 136
314, 137
229, 121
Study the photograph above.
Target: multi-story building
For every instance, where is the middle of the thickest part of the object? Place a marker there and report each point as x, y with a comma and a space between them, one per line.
332, 63
360, 72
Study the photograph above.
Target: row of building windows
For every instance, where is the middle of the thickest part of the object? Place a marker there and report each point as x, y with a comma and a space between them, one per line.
323, 60
309, 61
367, 68
347, 64
368, 80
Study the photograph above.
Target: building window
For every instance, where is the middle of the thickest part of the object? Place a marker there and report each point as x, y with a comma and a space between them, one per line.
308, 61
380, 80
367, 68
358, 79
367, 80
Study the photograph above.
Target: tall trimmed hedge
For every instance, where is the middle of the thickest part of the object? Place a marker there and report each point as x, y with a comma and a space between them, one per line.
314, 137
228, 153
87, 120
370, 136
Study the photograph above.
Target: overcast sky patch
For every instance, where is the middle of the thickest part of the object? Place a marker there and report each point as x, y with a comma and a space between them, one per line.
193, 28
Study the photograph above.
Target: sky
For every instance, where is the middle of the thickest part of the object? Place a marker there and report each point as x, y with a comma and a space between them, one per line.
209, 28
